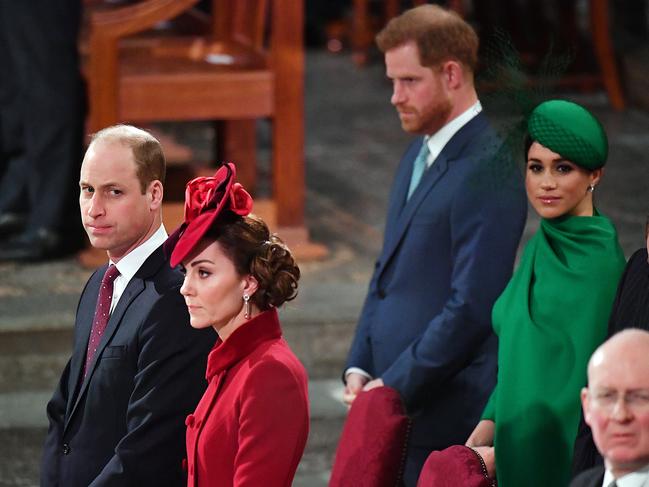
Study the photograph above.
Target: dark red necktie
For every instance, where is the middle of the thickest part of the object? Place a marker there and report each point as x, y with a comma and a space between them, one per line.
102, 313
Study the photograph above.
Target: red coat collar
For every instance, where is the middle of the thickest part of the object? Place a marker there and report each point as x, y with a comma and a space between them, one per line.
242, 342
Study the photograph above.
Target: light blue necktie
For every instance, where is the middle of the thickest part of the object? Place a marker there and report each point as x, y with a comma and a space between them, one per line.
418, 168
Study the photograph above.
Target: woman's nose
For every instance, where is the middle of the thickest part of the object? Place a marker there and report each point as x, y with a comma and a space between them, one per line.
185, 289
547, 181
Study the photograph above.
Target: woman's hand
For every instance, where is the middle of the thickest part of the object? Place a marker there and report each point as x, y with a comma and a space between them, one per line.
488, 455
483, 434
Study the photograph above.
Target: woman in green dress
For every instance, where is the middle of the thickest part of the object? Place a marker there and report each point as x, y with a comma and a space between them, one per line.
554, 311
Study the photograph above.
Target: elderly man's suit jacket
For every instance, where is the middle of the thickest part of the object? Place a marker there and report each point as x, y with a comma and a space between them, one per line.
589, 478
124, 423
448, 252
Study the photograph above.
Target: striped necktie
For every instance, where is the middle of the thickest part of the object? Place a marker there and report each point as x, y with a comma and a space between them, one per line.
418, 168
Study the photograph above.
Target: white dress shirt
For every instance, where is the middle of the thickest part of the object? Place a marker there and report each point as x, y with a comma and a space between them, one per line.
639, 478
131, 263
437, 141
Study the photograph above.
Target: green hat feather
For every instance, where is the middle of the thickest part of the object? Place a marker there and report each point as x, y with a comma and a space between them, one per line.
571, 131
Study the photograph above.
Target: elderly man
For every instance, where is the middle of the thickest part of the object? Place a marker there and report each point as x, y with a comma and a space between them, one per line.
616, 407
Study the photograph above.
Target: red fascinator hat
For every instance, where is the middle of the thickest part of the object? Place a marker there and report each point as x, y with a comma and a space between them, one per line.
205, 199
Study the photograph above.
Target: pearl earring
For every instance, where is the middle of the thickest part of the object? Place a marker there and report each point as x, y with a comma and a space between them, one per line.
246, 306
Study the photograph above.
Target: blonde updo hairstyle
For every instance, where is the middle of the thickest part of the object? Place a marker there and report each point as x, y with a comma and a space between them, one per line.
247, 241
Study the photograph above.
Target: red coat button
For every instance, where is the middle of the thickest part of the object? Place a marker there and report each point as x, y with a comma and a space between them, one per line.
189, 421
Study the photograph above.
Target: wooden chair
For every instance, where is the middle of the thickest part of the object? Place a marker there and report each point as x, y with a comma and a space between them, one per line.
249, 66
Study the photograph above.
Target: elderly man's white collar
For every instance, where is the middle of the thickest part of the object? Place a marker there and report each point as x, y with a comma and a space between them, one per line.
639, 478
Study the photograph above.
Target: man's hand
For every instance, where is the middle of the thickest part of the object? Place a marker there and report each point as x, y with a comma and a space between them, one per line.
354, 385
488, 454
373, 383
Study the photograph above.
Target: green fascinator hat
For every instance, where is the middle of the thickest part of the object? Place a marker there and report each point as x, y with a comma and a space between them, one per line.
570, 130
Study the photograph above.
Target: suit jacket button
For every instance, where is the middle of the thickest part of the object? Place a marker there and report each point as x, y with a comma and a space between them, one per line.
66, 448
381, 294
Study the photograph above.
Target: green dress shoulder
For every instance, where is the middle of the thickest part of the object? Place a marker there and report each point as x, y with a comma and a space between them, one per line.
549, 319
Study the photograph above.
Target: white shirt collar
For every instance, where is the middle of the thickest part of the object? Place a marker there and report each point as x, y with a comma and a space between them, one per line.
439, 139
131, 262
634, 479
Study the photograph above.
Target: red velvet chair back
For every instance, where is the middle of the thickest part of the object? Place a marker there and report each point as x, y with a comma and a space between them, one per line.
372, 447
455, 466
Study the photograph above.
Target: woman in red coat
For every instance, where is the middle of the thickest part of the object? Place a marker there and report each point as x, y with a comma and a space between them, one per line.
251, 426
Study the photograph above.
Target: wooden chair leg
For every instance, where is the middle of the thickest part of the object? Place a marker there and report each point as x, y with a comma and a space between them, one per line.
391, 9
361, 32
237, 142
288, 169
599, 20
457, 6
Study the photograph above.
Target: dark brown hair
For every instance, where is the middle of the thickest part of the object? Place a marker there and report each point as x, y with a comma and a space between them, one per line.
440, 34
527, 144
149, 159
247, 241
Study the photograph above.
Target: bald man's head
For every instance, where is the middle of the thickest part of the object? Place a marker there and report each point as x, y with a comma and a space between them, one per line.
616, 402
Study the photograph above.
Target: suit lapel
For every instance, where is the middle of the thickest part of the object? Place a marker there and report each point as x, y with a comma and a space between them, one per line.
400, 190
134, 288
399, 221
84, 319
430, 178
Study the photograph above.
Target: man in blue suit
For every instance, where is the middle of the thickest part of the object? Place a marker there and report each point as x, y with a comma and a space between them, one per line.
137, 370
456, 213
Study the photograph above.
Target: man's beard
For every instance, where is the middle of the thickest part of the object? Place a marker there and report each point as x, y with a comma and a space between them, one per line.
428, 120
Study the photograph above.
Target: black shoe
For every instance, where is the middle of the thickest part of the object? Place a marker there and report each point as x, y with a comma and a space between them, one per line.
41, 245
11, 224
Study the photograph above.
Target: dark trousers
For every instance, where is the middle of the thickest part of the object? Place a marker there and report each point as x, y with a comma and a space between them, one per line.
414, 463
42, 110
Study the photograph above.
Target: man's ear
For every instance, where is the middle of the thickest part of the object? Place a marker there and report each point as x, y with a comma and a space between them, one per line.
585, 405
155, 192
453, 74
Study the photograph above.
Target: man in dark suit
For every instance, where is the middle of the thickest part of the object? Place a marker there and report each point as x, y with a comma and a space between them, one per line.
42, 108
616, 407
456, 213
137, 368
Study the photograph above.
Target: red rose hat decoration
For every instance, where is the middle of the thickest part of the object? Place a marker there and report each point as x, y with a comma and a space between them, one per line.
205, 199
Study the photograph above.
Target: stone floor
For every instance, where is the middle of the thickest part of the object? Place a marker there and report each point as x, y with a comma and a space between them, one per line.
353, 145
